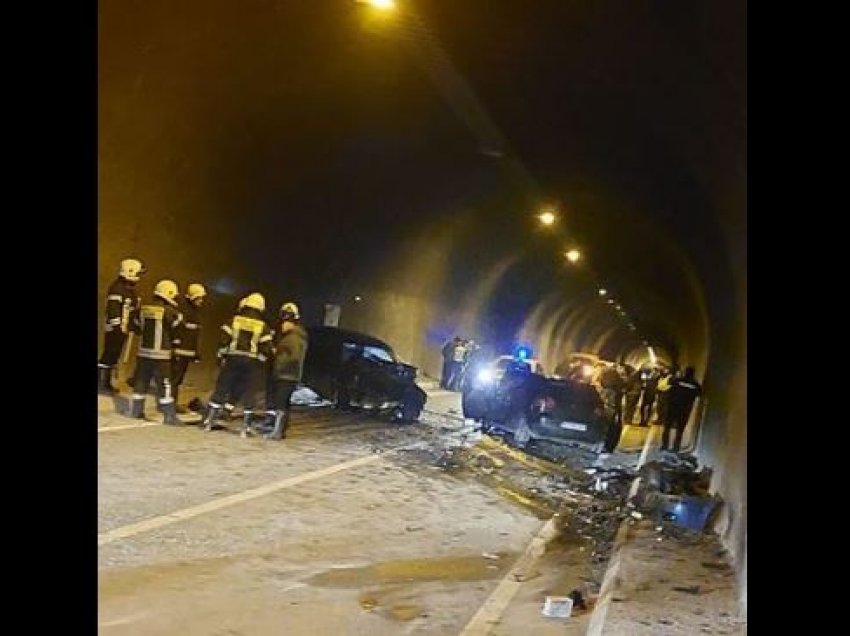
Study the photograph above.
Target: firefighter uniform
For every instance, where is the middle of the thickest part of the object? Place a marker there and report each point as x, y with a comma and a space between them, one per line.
121, 301
157, 325
245, 344
189, 334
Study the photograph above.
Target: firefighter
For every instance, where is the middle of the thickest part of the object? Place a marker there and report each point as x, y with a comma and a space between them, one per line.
288, 365
244, 346
121, 301
190, 333
157, 325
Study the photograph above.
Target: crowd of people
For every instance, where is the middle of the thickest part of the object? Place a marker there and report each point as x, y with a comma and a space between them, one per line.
260, 364
659, 391
461, 357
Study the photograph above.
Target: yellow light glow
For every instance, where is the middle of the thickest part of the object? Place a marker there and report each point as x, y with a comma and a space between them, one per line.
381, 4
603, 291
547, 218
573, 256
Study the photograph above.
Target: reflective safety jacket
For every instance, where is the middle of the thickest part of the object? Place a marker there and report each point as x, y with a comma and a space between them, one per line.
157, 325
189, 330
121, 302
248, 335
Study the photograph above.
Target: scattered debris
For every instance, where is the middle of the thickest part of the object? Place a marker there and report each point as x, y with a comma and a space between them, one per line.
557, 607
578, 600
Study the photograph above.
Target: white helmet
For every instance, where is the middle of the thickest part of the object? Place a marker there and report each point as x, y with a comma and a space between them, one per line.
254, 301
131, 269
195, 290
289, 311
167, 290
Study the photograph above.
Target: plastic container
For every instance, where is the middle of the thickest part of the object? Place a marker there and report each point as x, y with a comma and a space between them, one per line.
558, 607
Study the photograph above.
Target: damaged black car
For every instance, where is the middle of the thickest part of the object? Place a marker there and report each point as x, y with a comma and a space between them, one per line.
528, 406
354, 370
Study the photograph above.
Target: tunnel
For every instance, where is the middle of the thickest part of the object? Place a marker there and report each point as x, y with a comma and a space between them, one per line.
317, 152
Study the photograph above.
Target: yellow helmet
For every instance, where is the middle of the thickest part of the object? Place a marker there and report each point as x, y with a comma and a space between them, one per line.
131, 269
167, 290
195, 290
254, 301
289, 311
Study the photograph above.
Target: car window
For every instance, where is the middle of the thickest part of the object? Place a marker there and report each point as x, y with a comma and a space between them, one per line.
378, 353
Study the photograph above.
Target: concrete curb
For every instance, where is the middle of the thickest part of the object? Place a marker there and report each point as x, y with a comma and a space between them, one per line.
610, 580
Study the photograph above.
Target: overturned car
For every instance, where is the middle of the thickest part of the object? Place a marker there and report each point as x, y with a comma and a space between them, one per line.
353, 370
528, 406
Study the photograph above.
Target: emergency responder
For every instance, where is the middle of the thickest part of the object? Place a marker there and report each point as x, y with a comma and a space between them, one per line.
682, 394
458, 356
189, 333
664, 383
649, 380
448, 355
633, 388
613, 385
244, 346
121, 301
290, 349
157, 325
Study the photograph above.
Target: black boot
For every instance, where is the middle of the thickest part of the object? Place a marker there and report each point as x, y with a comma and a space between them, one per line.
247, 420
281, 422
169, 413
137, 408
104, 380
212, 413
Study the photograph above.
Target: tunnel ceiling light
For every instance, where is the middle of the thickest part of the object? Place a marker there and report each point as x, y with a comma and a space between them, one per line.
547, 217
610, 301
619, 308
573, 255
602, 291
357, 299
379, 4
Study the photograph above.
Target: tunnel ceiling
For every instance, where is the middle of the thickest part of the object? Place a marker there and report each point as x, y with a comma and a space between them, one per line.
318, 135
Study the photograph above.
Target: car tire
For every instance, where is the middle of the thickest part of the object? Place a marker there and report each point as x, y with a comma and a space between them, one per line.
341, 399
410, 408
522, 434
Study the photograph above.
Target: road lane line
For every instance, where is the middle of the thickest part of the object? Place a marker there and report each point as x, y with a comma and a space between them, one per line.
122, 427
486, 617
187, 513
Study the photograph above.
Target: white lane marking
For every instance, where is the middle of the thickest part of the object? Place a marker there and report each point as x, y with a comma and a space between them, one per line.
121, 427
187, 513
124, 620
493, 608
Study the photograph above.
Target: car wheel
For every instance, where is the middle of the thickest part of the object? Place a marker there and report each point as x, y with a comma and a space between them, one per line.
341, 399
522, 433
410, 409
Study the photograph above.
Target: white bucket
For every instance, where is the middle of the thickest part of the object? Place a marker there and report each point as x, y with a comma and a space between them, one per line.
558, 607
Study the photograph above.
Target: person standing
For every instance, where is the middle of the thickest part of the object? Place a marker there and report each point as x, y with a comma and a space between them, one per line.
650, 391
157, 326
448, 354
245, 345
190, 333
287, 368
121, 301
684, 392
